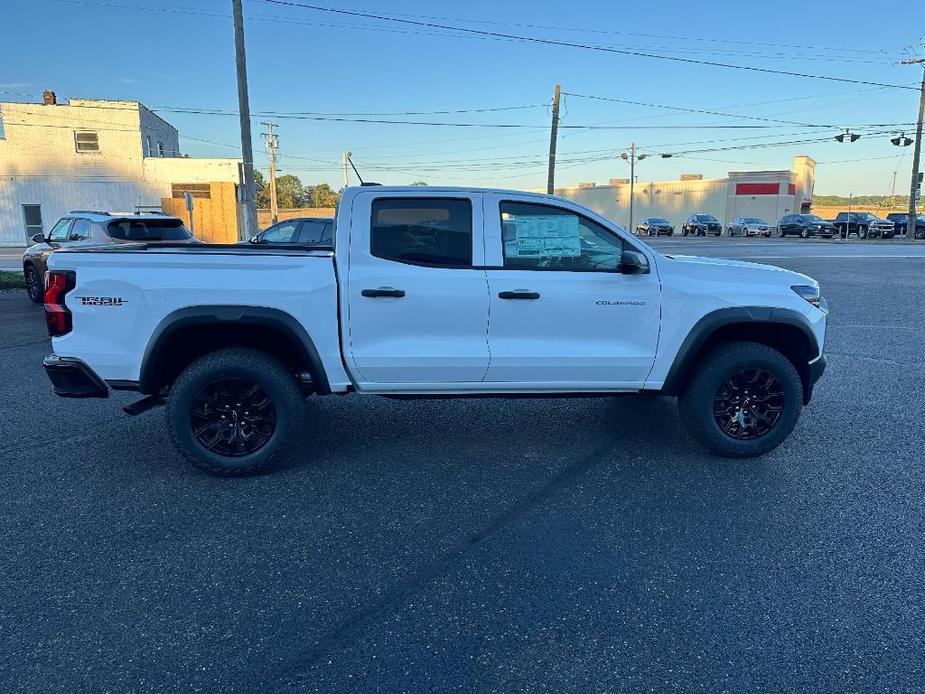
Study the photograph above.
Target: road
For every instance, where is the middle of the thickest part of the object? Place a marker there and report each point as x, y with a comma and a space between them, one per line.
493, 545
11, 258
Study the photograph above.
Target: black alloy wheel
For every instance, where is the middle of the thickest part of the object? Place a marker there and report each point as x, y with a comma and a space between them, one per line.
34, 285
233, 417
748, 404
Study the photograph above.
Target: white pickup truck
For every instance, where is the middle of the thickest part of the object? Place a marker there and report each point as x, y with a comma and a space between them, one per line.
432, 292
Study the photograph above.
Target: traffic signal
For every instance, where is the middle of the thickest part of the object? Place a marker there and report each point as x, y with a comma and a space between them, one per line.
901, 140
852, 137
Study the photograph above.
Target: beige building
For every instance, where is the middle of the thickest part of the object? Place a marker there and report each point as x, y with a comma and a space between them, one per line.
91, 154
766, 194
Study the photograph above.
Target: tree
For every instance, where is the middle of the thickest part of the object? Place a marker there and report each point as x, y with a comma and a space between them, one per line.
290, 192
419, 183
322, 195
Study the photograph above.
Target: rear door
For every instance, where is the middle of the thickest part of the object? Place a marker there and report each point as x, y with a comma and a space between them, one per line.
563, 317
416, 290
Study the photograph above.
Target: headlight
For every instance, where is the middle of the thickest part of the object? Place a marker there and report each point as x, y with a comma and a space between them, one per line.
811, 294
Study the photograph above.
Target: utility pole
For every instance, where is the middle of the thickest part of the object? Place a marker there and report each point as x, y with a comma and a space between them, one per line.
345, 158
249, 200
632, 158
553, 137
915, 187
272, 141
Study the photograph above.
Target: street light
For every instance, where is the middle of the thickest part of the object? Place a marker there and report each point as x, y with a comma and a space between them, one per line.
632, 158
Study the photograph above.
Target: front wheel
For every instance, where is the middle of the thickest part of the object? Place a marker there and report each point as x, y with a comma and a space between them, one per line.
862, 232
743, 400
804, 234
231, 411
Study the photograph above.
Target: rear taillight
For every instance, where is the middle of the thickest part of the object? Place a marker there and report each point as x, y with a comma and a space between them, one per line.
57, 315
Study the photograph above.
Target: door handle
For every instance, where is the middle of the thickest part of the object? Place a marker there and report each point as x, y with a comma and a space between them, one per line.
383, 291
519, 294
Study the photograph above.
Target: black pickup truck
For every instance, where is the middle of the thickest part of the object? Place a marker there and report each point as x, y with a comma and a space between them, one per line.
864, 224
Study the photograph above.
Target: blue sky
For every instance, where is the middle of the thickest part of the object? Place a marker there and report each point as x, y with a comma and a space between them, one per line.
181, 54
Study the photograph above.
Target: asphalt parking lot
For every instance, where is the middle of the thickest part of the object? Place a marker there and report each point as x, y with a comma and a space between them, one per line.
494, 545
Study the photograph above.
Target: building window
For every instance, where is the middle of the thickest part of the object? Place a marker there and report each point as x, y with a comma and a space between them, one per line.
149, 150
160, 149
86, 141
32, 216
2, 131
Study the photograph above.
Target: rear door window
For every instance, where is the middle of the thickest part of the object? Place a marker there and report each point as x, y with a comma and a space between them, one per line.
80, 230
435, 232
316, 232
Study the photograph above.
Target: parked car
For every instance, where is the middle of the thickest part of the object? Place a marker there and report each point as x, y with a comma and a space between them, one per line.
314, 231
749, 226
701, 225
400, 309
655, 226
804, 226
81, 228
864, 224
900, 220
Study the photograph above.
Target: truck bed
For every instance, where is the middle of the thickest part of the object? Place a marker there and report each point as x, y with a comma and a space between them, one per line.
127, 293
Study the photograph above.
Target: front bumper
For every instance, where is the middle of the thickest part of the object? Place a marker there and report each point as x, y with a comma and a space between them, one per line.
71, 378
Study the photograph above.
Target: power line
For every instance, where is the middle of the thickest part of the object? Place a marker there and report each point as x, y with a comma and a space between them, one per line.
570, 44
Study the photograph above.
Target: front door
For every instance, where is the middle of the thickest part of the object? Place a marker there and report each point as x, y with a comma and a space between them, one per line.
562, 315
416, 291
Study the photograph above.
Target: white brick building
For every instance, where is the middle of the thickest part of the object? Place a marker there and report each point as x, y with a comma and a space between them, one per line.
89, 154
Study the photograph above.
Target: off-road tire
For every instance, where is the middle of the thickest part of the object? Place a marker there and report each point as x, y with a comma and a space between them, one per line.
696, 402
33, 284
252, 365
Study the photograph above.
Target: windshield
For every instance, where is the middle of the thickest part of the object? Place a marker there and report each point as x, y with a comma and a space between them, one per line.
705, 218
754, 220
657, 220
167, 229
813, 218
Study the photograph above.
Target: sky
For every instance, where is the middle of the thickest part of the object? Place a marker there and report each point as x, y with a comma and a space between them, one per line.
175, 56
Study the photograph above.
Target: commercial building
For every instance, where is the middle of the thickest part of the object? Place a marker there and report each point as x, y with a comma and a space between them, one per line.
765, 194
94, 154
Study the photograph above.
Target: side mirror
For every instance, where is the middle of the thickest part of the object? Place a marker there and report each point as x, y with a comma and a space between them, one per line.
633, 263
254, 239
38, 238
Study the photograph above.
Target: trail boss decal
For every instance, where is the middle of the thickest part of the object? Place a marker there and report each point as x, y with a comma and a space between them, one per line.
101, 300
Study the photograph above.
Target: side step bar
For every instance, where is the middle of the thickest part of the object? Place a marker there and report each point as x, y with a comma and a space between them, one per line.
145, 404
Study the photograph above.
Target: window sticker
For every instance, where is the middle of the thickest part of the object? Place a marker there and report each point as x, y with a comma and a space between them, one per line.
547, 236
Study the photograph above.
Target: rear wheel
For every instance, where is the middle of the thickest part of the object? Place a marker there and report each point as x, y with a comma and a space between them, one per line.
231, 411
743, 400
862, 232
33, 284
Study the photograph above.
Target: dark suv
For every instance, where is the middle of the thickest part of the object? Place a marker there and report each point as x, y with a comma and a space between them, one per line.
900, 219
80, 228
804, 226
701, 225
864, 224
